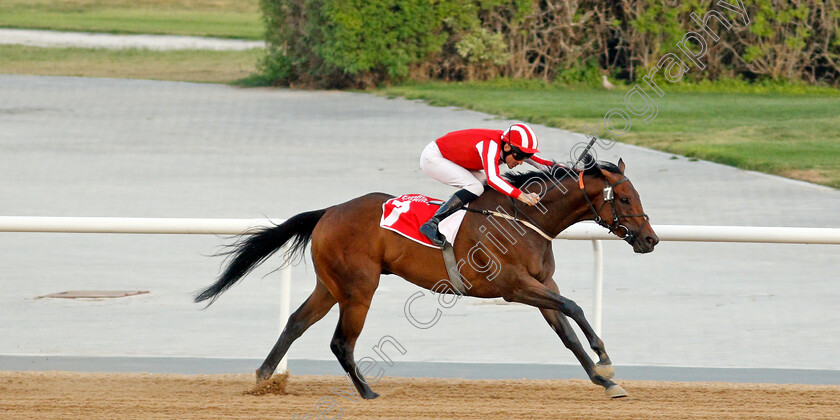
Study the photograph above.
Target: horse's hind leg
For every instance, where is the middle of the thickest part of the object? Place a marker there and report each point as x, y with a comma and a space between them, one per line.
315, 307
350, 323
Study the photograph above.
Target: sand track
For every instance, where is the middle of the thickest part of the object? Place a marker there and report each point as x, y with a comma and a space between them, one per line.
37, 395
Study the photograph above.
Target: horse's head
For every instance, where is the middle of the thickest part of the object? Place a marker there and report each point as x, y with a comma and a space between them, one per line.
620, 209
611, 201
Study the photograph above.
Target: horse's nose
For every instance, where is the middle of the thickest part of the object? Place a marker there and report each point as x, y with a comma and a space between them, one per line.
651, 240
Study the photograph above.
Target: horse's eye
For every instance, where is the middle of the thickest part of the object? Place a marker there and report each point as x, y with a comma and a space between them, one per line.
624, 200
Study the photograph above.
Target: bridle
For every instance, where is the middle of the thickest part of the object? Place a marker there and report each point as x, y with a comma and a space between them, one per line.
615, 226
609, 197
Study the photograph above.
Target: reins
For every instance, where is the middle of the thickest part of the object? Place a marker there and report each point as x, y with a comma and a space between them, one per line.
528, 224
531, 223
608, 195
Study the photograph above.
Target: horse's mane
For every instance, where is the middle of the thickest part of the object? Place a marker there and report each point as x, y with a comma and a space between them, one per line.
518, 179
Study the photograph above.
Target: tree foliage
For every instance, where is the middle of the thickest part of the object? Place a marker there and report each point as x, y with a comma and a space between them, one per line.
349, 43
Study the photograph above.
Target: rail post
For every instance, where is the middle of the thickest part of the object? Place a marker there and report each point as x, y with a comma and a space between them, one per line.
597, 301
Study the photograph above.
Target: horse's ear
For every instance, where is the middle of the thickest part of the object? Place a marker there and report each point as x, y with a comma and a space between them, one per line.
621, 165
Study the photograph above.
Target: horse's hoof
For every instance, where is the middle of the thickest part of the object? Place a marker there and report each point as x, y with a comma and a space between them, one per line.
261, 378
371, 396
605, 370
616, 391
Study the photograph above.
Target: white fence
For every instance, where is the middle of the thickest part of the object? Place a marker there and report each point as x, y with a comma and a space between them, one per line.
582, 231
688, 233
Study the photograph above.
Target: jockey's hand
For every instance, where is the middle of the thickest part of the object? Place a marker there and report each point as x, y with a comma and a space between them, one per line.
529, 198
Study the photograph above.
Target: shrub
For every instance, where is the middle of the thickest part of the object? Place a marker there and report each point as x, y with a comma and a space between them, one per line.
356, 43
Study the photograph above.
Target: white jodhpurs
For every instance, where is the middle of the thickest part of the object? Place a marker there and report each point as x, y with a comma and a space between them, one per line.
433, 164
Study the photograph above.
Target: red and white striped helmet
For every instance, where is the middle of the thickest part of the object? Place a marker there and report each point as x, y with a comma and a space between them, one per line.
523, 137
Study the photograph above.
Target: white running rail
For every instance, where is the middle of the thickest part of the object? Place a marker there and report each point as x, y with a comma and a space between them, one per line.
132, 225
581, 231
688, 233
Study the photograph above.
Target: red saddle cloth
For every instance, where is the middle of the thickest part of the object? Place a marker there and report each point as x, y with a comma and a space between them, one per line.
406, 213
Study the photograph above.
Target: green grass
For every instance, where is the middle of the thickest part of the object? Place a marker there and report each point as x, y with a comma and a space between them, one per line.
179, 65
790, 134
216, 18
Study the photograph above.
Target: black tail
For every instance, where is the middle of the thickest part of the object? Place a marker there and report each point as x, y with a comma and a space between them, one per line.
256, 247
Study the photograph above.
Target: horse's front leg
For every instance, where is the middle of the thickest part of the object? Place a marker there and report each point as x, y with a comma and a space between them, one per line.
555, 308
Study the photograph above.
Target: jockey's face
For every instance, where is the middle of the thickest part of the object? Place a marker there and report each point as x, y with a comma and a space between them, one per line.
510, 161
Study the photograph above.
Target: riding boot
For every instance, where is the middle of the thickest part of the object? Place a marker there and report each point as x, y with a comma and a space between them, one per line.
455, 203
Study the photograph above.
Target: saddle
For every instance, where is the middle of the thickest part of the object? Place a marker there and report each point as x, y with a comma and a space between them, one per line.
406, 213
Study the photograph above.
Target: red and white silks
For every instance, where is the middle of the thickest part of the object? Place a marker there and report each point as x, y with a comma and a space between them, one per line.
469, 158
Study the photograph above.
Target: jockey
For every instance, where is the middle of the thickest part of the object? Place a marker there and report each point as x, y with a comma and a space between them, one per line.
467, 159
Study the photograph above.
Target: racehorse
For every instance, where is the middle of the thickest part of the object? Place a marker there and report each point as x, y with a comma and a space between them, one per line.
350, 251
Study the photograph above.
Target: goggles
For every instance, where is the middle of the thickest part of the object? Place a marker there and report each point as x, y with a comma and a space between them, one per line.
518, 154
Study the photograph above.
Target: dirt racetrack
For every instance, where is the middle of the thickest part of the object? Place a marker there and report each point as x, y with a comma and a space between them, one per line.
36, 395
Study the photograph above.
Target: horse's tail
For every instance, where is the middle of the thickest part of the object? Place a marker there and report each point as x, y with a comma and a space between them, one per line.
255, 247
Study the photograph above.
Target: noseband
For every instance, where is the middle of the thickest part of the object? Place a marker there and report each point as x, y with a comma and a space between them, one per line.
609, 197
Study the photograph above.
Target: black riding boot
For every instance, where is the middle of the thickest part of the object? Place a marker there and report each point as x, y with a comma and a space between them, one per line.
455, 203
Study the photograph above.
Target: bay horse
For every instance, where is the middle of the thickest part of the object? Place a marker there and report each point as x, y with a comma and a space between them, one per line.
350, 251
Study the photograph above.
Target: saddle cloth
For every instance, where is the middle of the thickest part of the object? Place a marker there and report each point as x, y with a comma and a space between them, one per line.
406, 213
